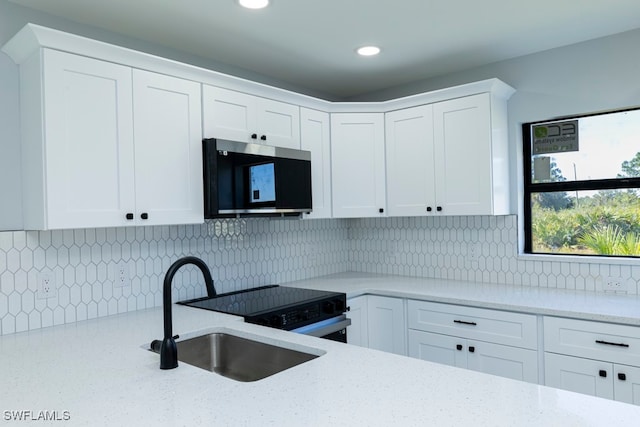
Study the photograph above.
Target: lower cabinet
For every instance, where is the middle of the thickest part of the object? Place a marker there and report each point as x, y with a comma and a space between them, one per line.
490, 341
511, 362
593, 358
378, 322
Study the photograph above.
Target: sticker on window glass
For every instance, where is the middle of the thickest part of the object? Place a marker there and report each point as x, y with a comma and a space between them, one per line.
557, 137
542, 169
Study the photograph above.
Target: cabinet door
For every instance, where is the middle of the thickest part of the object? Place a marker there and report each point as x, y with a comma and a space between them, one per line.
511, 362
463, 155
627, 384
438, 348
410, 162
315, 137
357, 332
168, 149
357, 165
87, 146
387, 325
580, 375
278, 123
228, 114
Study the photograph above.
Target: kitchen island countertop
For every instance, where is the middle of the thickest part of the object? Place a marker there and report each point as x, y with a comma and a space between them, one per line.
97, 372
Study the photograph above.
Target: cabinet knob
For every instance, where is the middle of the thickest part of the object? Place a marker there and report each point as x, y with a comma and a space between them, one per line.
254, 136
602, 373
429, 209
472, 349
439, 208
459, 347
129, 216
144, 215
263, 138
622, 377
381, 210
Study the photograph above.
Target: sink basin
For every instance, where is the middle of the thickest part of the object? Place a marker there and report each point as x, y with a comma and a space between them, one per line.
239, 358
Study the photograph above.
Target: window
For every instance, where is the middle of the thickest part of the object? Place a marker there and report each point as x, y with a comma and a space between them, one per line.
582, 185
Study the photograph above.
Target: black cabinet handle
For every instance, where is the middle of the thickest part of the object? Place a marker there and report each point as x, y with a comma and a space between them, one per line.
602, 373
439, 208
254, 136
462, 322
429, 209
144, 215
129, 216
459, 347
622, 377
472, 349
381, 210
617, 344
263, 137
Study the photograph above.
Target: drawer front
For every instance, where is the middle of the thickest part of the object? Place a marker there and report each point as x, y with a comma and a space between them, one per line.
593, 340
500, 327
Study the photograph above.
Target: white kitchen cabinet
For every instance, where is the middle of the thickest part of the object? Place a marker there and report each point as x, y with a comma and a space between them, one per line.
511, 362
315, 136
357, 165
386, 324
448, 158
238, 116
358, 331
593, 358
490, 341
377, 322
89, 161
168, 149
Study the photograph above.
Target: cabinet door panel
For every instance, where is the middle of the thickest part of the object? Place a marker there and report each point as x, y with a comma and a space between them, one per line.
315, 137
228, 114
387, 326
627, 384
579, 375
279, 123
463, 155
357, 332
168, 143
437, 348
88, 140
409, 157
511, 362
357, 165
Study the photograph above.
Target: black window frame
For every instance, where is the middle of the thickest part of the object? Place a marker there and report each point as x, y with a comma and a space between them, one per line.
564, 186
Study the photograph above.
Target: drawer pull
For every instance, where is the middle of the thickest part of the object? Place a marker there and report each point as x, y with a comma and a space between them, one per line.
603, 373
622, 377
617, 344
459, 347
462, 322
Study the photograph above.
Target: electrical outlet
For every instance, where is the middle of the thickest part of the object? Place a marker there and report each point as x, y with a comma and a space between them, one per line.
121, 275
46, 285
614, 284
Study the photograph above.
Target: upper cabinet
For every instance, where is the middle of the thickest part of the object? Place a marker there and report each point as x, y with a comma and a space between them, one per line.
240, 117
448, 158
357, 165
87, 163
315, 132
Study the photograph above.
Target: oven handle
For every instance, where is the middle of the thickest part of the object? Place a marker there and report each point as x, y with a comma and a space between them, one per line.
325, 327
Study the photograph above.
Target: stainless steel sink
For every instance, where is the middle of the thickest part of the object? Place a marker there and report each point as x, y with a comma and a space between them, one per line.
239, 358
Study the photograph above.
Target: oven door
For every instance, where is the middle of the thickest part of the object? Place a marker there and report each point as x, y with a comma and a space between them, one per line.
334, 329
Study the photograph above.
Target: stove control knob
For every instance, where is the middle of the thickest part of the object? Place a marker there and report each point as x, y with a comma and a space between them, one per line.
328, 307
276, 321
339, 304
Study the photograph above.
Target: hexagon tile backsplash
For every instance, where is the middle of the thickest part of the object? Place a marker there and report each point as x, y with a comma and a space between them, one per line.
83, 266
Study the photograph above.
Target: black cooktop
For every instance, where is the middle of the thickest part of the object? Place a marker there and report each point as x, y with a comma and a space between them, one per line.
257, 301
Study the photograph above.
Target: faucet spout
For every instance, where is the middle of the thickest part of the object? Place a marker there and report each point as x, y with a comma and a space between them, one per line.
169, 348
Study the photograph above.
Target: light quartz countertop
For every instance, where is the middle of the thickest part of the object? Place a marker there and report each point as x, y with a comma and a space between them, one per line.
597, 306
97, 372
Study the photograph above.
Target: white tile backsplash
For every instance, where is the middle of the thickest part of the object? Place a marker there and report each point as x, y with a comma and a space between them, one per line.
244, 253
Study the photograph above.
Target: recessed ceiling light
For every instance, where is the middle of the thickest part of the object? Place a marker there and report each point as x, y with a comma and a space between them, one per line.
368, 50
254, 4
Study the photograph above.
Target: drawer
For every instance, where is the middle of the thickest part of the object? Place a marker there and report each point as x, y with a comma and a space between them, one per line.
592, 340
500, 327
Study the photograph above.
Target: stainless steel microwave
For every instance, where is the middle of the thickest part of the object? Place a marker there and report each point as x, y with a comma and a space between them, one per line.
254, 179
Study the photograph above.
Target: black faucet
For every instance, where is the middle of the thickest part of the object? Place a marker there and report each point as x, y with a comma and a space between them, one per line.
169, 349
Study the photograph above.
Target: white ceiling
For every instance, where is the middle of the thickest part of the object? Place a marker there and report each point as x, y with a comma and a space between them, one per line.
311, 43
